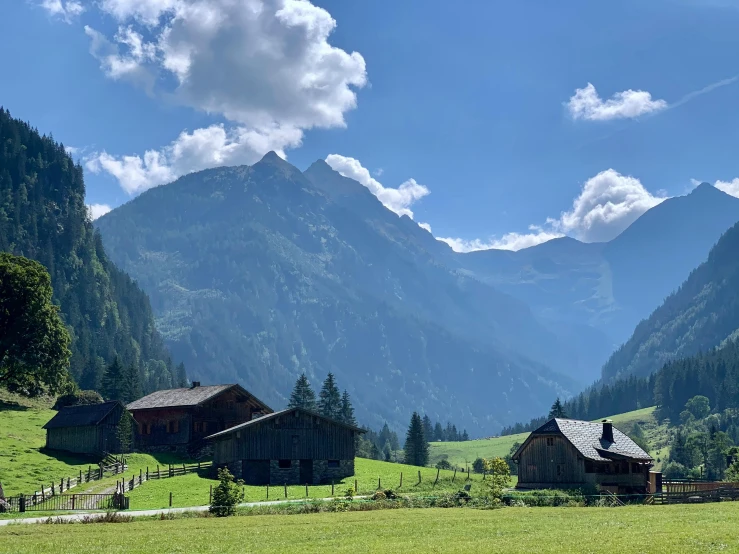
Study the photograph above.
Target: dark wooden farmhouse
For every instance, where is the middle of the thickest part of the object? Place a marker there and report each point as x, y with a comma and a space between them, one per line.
567, 453
89, 429
294, 446
179, 419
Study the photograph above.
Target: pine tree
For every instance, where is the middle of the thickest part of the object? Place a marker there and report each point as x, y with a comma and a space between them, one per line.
302, 395
130, 385
329, 399
438, 432
347, 410
557, 410
465, 436
112, 383
428, 427
416, 446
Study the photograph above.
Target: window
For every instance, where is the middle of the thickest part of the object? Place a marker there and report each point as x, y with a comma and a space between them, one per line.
589, 467
333, 464
148, 428
205, 427
550, 441
173, 426
284, 464
635, 468
196, 427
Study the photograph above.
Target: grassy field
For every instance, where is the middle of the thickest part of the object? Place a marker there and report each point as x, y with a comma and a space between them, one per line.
638, 529
194, 490
461, 453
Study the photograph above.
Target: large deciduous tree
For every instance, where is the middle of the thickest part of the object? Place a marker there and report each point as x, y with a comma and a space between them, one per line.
34, 343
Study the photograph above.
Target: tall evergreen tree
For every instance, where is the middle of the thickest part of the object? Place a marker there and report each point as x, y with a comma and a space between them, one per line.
329, 399
465, 436
113, 383
302, 395
557, 410
347, 410
416, 447
428, 428
131, 385
438, 432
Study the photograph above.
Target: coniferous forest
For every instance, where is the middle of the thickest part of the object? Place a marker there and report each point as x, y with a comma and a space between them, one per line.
43, 217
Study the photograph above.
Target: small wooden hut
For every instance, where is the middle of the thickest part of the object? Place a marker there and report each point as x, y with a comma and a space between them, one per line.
568, 453
179, 419
88, 429
294, 446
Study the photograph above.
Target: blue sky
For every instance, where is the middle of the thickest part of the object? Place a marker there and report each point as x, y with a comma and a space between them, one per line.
459, 113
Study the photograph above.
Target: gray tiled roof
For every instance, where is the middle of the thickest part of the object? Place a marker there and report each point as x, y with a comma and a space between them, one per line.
81, 416
586, 436
180, 398
273, 415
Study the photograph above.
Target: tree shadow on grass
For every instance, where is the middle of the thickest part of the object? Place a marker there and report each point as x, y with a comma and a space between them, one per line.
12, 406
69, 458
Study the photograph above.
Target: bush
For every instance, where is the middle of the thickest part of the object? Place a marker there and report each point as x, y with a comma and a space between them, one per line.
379, 495
443, 464
349, 493
227, 494
548, 498
674, 470
78, 398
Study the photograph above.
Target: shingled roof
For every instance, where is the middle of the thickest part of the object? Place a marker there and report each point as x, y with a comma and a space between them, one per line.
587, 438
183, 398
81, 416
260, 420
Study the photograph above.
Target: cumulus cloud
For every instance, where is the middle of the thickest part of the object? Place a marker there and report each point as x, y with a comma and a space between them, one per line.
97, 210
425, 226
607, 204
67, 10
586, 104
398, 200
729, 187
265, 66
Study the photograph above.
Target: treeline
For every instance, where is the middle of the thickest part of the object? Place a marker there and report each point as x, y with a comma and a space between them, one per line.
434, 432
330, 402
713, 374
43, 217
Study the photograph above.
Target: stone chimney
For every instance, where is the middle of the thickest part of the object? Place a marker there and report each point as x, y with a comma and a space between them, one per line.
607, 430
195, 384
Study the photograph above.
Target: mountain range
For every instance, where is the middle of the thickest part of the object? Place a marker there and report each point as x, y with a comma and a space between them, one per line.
258, 273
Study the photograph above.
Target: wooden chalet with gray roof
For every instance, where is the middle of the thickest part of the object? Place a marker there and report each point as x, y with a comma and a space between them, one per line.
567, 453
88, 429
179, 419
293, 446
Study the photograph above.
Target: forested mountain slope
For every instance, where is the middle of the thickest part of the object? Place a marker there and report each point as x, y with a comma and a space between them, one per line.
700, 315
43, 217
259, 273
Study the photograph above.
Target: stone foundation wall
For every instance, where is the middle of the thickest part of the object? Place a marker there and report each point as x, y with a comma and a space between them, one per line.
278, 475
322, 474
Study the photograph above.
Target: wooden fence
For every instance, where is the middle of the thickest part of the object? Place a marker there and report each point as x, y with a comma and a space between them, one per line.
125, 484
687, 492
31, 503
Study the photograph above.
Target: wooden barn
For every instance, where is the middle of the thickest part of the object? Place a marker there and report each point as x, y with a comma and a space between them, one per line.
567, 453
294, 446
179, 419
89, 429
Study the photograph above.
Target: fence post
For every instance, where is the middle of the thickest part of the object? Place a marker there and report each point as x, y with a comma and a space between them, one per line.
43, 494
379, 483
267, 491
468, 473
73, 499
53, 491
159, 475
306, 490
89, 470
147, 473
285, 490
170, 499
198, 466
438, 470
332, 488
210, 498
184, 471
419, 476
80, 481
356, 487
22, 503
455, 475
401, 480
61, 486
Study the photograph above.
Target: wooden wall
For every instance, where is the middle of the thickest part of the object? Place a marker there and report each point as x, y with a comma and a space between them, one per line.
558, 463
88, 439
287, 438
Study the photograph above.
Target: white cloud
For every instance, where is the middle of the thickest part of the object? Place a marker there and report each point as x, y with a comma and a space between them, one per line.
213, 146
425, 226
398, 200
608, 203
729, 187
97, 210
586, 104
67, 10
72, 150
266, 66
509, 241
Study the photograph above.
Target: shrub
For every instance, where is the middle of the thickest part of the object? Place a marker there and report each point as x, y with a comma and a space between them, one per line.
674, 470
443, 464
227, 494
78, 398
349, 493
500, 475
379, 495
478, 466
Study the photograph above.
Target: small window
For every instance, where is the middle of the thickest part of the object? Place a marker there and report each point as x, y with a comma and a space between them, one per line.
550, 441
196, 427
148, 428
284, 464
589, 467
333, 464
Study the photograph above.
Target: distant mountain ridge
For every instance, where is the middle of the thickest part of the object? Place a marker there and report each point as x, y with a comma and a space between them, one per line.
259, 273
612, 286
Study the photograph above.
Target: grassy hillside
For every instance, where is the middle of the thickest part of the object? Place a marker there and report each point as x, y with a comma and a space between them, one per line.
629, 530
460, 453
